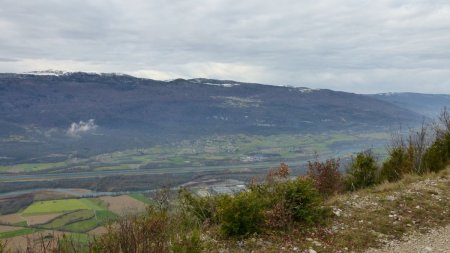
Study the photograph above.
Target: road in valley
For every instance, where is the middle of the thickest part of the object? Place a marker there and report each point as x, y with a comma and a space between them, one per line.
17, 177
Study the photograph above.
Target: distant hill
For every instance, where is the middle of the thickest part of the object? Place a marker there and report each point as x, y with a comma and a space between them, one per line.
41, 113
426, 104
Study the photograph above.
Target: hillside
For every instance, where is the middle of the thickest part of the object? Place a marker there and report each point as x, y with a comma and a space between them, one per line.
86, 114
406, 215
429, 105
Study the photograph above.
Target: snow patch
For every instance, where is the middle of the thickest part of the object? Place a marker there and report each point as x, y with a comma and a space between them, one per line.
223, 84
387, 94
306, 90
48, 72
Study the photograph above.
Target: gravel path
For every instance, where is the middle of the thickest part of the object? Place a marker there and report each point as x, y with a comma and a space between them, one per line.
435, 241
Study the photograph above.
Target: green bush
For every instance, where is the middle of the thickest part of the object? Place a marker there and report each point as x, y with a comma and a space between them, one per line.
395, 166
437, 157
362, 171
302, 200
241, 214
203, 208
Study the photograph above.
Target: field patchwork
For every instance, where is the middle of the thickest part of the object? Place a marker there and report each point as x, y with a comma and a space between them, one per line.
18, 232
33, 220
80, 221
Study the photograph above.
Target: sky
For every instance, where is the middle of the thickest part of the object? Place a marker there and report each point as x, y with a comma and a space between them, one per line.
362, 46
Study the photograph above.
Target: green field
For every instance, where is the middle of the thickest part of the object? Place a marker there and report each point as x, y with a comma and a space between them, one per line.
9, 234
69, 218
82, 226
219, 150
64, 205
80, 221
30, 167
99, 218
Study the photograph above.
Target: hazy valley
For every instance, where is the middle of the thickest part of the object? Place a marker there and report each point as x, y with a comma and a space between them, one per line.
78, 150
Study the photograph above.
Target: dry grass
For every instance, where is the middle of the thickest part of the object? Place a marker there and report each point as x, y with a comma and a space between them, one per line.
363, 219
98, 231
20, 243
41, 219
8, 228
372, 217
11, 219
123, 204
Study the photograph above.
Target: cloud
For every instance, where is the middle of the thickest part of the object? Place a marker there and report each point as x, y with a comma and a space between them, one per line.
352, 45
81, 127
7, 60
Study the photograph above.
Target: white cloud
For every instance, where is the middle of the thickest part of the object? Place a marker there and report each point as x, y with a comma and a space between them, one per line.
361, 46
81, 127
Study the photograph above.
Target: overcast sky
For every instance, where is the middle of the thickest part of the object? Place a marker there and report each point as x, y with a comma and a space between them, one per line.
351, 45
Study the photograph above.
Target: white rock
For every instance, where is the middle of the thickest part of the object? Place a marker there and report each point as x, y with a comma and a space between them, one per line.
337, 212
312, 251
318, 244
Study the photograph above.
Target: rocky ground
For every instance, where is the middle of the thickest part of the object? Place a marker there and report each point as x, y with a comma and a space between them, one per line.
437, 240
412, 215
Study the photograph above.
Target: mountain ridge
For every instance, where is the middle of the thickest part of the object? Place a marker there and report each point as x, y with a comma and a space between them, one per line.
37, 111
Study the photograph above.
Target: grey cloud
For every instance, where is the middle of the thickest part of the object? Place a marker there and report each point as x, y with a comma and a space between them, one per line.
352, 45
7, 60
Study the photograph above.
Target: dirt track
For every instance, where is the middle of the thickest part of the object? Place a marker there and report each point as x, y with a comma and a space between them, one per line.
437, 240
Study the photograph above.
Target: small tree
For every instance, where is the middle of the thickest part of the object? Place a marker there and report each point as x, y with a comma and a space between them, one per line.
395, 165
437, 157
240, 215
326, 175
362, 171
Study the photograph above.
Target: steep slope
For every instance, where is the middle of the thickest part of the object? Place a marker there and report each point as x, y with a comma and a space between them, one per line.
37, 111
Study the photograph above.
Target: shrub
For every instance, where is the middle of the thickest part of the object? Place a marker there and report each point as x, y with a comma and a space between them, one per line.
395, 166
275, 203
326, 176
149, 232
3, 246
240, 215
203, 208
362, 171
302, 200
188, 243
437, 157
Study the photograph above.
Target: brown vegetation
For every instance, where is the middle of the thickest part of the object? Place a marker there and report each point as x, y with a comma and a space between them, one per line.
41, 219
11, 219
123, 204
8, 228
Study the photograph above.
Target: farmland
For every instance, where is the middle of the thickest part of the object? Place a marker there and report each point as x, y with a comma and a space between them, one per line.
214, 150
76, 216
212, 162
